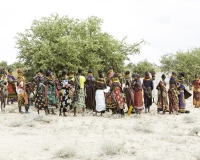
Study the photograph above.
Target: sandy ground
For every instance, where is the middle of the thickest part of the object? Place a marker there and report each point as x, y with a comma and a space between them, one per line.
149, 136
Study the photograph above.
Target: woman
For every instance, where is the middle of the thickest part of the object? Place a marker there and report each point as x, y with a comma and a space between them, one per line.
100, 87
117, 94
196, 91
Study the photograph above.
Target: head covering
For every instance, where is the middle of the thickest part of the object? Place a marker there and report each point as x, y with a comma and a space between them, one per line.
163, 76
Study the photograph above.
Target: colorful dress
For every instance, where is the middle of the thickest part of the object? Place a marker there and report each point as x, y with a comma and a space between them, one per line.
117, 94
181, 97
51, 93
21, 91
162, 103
40, 99
147, 87
173, 95
12, 94
196, 92
65, 99
80, 91
137, 89
90, 92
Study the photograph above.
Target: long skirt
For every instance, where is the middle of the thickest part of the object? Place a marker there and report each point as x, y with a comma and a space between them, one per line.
40, 101
22, 97
173, 100
65, 100
182, 103
138, 104
12, 94
110, 101
129, 97
90, 98
100, 100
51, 97
80, 102
118, 98
196, 97
162, 104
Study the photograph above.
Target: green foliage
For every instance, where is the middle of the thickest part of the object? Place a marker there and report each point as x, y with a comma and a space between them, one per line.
187, 62
63, 42
141, 67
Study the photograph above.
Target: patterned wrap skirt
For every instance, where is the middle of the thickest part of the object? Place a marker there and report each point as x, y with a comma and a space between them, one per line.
118, 98
65, 100
80, 102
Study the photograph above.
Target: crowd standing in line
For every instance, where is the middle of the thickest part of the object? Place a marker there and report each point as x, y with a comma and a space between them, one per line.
104, 93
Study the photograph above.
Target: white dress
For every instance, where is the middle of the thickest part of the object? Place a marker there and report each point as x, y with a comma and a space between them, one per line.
100, 99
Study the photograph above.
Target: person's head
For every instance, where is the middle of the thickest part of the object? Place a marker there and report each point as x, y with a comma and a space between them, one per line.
127, 73
174, 74
71, 74
20, 72
89, 72
80, 71
146, 74
48, 73
196, 75
41, 72
153, 75
101, 75
110, 69
163, 76
181, 77
10, 71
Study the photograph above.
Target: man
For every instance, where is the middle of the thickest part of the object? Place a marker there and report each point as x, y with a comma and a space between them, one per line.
80, 92
162, 104
196, 91
147, 87
173, 94
90, 92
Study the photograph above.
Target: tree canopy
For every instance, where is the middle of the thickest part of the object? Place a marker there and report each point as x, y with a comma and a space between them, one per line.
187, 62
63, 42
141, 67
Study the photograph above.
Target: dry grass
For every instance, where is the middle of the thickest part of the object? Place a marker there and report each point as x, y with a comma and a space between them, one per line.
65, 152
189, 119
14, 123
142, 128
42, 118
195, 131
111, 148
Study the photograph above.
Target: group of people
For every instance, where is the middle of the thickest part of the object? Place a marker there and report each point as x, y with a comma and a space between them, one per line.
106, 93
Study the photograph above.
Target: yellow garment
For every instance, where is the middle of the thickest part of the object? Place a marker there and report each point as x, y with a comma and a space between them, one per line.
129, 110
82, 81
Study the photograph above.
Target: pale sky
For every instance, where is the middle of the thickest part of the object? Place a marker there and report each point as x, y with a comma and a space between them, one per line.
167, 25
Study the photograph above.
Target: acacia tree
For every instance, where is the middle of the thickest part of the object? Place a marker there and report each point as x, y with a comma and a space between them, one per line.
63, 42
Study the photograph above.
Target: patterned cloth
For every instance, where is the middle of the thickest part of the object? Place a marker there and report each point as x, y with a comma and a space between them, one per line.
173, 95
51, 96
12, 94
162, 102
65, 100
196, 93
80, 103
181, 97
